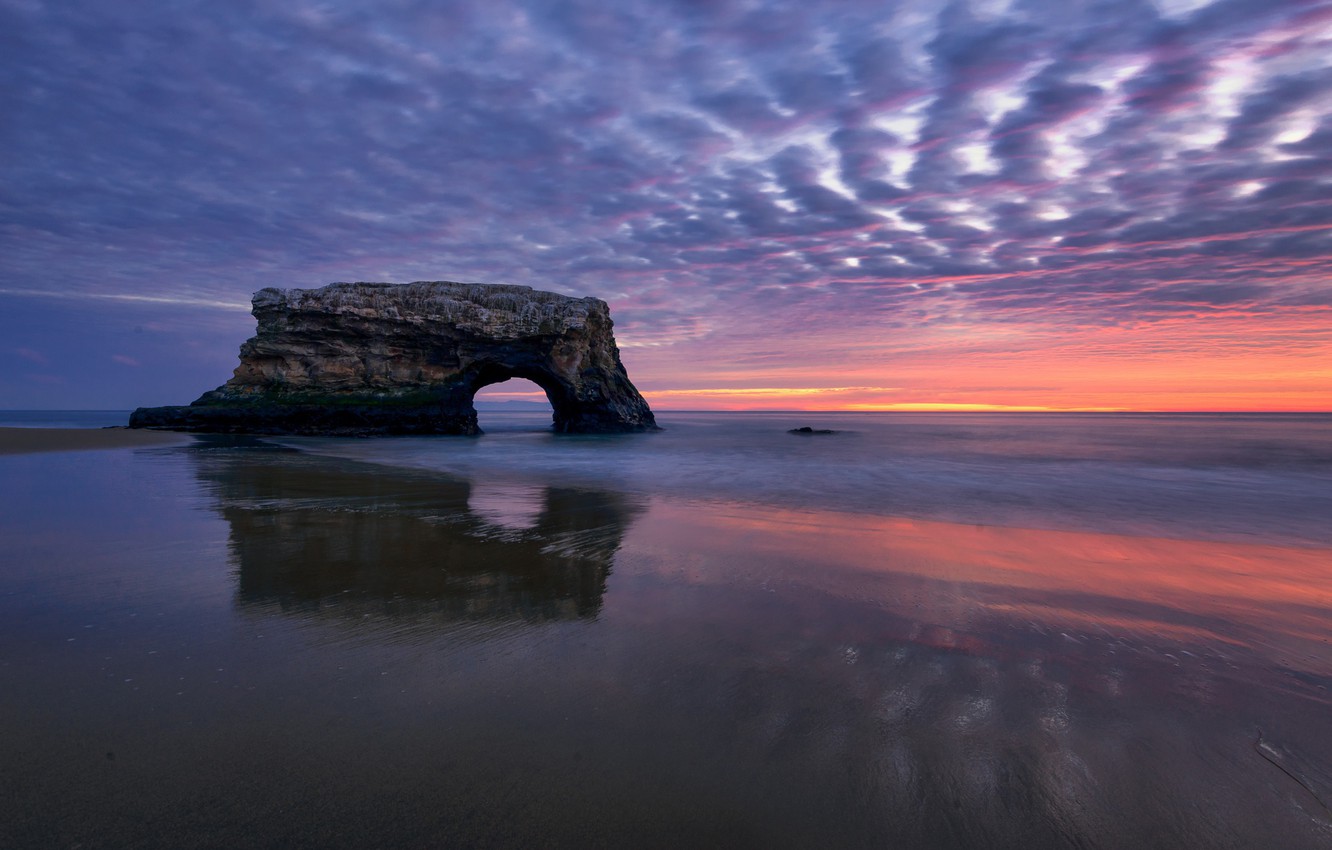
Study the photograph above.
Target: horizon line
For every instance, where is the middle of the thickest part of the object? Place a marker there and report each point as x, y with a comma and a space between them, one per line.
794, 410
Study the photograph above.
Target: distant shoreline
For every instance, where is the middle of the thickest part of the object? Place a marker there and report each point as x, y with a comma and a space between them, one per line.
15, 441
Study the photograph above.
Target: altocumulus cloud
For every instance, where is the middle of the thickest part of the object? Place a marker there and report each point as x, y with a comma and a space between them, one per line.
718, 171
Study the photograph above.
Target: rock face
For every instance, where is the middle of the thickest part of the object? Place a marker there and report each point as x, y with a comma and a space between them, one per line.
382, 358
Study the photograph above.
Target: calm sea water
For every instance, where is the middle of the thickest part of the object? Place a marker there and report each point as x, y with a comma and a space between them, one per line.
921, 631
63, 418
1223, 476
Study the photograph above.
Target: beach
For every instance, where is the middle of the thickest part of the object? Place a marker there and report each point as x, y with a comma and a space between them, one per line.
27, 440
524, 640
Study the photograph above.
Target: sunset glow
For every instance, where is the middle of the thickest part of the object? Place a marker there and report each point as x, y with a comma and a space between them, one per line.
908, 206
695, 423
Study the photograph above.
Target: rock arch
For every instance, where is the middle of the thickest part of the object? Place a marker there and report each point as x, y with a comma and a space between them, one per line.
378, 358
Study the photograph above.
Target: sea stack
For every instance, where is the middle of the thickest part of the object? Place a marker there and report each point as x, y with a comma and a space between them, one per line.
359, 359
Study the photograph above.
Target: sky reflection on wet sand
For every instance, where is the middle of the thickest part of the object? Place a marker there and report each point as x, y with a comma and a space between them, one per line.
303, 651
1260, 597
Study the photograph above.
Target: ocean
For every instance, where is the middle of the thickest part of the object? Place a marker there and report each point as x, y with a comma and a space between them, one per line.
1212, 476
63, 418
920, 630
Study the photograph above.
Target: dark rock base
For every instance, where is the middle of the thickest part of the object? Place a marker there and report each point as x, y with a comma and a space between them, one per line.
345, 420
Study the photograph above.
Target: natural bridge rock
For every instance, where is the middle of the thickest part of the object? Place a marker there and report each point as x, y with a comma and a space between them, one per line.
382, 358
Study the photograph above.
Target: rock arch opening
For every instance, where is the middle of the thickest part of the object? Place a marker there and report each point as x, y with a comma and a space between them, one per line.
516, 404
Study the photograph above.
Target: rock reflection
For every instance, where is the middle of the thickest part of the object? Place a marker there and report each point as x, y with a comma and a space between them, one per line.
346, 540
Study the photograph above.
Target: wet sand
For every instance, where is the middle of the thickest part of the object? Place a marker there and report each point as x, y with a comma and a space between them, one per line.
236, 643
16, 441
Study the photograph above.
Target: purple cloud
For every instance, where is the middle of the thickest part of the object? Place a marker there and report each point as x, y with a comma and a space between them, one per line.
707, 167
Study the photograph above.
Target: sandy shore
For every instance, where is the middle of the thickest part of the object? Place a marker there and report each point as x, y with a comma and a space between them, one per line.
26, 440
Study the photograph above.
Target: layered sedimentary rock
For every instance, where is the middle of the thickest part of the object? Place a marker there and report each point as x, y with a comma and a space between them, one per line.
382, 358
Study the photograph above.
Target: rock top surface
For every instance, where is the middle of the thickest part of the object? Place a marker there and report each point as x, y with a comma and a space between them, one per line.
383, 358
495, 310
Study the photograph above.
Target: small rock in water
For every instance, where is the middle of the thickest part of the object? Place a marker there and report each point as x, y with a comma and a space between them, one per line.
808, 430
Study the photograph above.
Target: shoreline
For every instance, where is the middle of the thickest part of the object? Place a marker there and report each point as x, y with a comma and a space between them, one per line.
17, 441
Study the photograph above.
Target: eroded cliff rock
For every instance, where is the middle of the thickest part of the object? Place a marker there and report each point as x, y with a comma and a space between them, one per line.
382, 358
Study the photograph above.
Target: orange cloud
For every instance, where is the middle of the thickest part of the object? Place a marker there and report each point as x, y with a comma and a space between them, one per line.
1217, 363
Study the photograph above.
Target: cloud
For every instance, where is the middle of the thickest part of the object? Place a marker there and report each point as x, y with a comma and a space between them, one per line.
807, 169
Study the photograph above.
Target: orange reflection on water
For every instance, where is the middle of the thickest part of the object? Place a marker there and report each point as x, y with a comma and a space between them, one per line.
949, 578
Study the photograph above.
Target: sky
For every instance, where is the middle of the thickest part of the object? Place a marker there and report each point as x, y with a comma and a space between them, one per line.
986, 204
